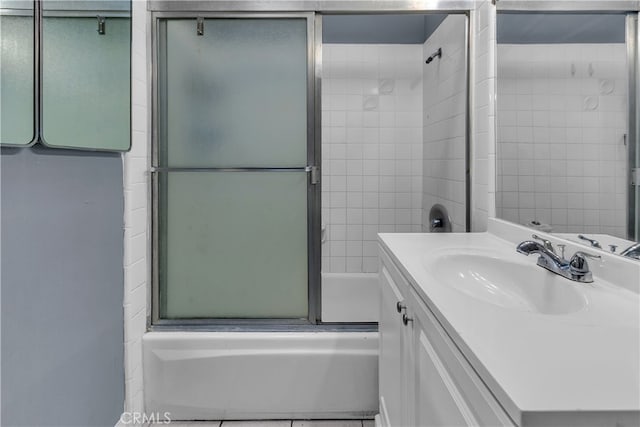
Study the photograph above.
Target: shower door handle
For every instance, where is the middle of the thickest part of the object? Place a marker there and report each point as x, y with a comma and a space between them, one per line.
315, 174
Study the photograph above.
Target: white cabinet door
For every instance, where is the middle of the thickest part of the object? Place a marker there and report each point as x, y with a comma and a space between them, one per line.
438, 401
391, 353
425, 381
448, 392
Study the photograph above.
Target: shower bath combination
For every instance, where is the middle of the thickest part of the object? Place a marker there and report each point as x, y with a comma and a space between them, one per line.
374, 175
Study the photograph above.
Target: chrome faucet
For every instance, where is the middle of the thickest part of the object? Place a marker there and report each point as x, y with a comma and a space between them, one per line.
594, 243
579, 267
576, 269
547, 244
632, 251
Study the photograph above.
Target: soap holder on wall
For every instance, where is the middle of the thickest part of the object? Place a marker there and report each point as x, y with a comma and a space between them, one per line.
370, 103
590, 103
386, 86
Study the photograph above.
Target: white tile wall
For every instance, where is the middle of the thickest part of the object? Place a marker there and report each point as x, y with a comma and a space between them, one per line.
136, 236
371, 150
483, 144
561, 124
444, 131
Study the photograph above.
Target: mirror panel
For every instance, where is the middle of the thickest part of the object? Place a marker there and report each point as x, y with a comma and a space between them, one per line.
562, 123
86, 75
16, 73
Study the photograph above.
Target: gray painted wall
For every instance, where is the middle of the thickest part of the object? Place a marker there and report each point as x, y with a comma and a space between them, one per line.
379, 29
541, 28
513, 28
61, 276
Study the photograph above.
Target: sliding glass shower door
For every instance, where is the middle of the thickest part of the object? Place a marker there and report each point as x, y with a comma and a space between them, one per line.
232, 159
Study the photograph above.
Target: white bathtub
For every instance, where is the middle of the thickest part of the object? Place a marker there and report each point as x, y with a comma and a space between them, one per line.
261, 375
350, 297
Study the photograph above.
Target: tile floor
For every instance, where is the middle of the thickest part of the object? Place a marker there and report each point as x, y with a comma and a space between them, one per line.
277, 423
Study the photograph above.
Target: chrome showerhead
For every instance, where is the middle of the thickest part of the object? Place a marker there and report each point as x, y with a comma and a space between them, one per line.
437, 54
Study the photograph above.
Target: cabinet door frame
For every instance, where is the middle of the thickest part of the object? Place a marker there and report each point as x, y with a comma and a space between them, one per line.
421, 345
477, 402
392, 402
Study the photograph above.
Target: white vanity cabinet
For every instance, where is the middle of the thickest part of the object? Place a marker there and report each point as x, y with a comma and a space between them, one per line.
424, 379
491, 339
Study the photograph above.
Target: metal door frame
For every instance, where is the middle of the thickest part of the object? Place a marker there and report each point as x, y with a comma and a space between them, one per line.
312, 11
313, 156
633, 122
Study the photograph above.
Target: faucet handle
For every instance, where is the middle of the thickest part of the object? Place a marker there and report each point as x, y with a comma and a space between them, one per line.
579, 262
594, 243
547, 244
588, 255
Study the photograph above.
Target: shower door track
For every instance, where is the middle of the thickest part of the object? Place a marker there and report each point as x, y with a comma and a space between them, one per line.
260, 325
234, 169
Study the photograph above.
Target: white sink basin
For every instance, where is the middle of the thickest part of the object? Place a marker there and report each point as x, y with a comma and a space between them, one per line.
506, 283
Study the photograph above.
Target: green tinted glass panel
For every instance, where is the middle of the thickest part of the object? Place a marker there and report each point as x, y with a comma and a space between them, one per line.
233, 244
16, 79
235, 96
86, 83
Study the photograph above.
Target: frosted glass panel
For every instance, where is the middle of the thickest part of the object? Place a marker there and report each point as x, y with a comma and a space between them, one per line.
233, 244
236, 96
86, 83
16, 77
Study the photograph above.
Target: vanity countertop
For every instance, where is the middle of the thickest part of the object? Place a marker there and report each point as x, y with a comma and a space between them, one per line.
585, 362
